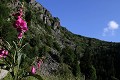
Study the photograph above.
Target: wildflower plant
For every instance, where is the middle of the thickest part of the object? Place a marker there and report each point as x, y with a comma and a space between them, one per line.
12, 55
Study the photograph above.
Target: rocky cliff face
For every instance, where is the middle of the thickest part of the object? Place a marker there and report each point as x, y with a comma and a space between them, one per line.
45, 15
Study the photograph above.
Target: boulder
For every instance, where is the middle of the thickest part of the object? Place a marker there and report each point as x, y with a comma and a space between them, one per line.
3, 73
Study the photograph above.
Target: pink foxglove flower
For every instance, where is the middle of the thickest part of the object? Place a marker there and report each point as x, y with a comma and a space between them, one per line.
24, 25
39, 63
20, 24
33, 70
3, 53
20, 35
17, 23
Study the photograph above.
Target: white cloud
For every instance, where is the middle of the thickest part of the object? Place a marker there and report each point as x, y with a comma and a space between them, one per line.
105, 30
110, 30
112, 25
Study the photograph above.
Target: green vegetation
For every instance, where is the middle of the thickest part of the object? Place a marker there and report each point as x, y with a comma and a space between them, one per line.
77, 57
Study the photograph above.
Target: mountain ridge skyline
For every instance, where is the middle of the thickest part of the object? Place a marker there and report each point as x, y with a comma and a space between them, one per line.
78, 21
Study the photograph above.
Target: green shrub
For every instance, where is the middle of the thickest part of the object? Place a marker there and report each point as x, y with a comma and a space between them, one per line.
48, 29
56, 46
49, 40
33, 42
28, 17
76, 69
68, 55
93, 75
43, 50
6, 29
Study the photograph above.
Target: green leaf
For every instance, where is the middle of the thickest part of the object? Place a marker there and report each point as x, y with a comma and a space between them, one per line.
9, 46
1, 61
19, 59
15, 57
22, 47
15, 45
15, 70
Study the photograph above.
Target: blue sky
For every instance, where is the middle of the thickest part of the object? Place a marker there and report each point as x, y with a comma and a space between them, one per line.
92, 18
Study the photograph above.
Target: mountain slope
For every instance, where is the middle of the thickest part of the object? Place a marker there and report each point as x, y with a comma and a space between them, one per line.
67, 56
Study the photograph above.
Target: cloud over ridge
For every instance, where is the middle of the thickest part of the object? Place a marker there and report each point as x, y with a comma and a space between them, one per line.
112, 26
